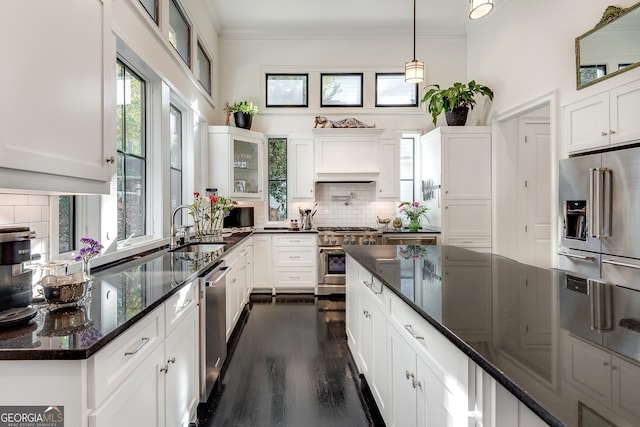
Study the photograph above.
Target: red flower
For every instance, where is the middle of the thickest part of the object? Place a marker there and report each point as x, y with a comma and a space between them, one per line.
196, 194
213, 200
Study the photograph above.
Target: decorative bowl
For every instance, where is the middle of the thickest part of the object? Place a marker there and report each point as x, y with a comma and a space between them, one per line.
64, 289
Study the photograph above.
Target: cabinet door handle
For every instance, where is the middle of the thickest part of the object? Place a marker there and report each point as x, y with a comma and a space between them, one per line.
604, 133
172, 360
111, 160
420, 385
612, 132
413, 333
137, 348
165, 370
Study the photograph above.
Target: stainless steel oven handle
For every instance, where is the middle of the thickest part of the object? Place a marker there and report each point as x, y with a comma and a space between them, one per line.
582, 257
217, 279
331, 251
620, 264
592, 201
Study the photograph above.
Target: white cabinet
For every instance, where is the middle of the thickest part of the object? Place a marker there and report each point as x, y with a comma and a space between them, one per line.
149, 375
347, 154
262, 265
301, 173
389, 180
601, 120
607, 378
57, 125
456, 164
294, 258
238, 281
236, 162
429, 375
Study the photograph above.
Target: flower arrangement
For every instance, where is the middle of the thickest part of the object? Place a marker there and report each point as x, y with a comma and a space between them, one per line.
413, 252
209, 212
90, 248
413, 211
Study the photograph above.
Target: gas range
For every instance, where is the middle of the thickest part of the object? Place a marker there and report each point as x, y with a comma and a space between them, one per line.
338, 236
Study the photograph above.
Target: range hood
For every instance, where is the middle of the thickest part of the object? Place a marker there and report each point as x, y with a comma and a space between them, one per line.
347, 155
354, 177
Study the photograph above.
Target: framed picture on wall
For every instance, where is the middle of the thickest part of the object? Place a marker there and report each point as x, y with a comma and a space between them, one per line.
341, 90
287, 90
393, 91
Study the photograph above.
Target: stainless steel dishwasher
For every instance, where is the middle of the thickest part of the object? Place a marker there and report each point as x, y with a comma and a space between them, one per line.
213, 322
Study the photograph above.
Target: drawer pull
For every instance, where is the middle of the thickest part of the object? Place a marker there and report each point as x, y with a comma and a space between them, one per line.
568, 255
172, 360
294, 277
186, 304
137, 348
413, 333
370, 286
294, 241
294, 256
620, 264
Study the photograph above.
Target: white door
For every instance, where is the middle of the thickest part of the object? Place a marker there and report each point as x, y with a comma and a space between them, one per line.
535, 157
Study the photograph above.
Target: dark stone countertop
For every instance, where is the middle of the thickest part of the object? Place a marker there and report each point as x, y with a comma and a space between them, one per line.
513, 320
121, 295
431, 229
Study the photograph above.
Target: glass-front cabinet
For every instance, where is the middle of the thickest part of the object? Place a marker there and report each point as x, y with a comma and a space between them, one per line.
236, 162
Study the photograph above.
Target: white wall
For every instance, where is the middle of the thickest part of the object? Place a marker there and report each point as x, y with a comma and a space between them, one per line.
527, 49
28, 211
245, 59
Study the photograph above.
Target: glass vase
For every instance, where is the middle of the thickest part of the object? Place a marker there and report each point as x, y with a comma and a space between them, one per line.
216, 223
414, 224
86, 270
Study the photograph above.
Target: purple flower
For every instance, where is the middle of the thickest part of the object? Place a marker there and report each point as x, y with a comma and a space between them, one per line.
91, 248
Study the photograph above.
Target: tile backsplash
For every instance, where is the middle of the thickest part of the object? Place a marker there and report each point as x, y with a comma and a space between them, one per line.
28, 210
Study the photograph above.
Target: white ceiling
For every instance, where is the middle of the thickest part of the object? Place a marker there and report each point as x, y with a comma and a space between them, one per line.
368, 16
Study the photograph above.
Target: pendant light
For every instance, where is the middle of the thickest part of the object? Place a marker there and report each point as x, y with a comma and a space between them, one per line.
414, 70
480, 8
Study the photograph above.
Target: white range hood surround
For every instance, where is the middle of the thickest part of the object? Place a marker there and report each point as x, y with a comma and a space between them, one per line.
347, 154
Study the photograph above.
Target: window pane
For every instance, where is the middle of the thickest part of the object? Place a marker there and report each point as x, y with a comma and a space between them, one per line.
179, 31
406, 158
393, 91
175, 129
204, 69
131, 164
277, 179
341, 90
151, 6
175, 167
66, 224
135, 196
287, 90
406, 191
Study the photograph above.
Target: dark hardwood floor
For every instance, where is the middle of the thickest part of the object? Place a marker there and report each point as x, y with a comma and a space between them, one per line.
290, 367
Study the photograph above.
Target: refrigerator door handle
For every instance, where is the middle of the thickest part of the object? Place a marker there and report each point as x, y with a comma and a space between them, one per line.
592, 202
620, 264
606, 202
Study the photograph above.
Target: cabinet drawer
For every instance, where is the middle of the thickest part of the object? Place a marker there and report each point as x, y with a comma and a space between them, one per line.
469, 242
180, 304
286, 277
122, 357
441, 355
294, 239
372, 286
285, 256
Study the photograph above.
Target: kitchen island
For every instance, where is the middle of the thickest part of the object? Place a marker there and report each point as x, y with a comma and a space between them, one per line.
126, 355
489, 338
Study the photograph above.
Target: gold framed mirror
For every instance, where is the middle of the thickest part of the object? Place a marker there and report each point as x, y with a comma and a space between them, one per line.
610, 48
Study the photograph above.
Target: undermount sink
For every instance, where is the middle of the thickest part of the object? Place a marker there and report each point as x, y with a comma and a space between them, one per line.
199, 247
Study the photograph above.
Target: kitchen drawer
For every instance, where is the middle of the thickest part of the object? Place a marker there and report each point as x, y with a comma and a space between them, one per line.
469, 242
373, 286
440, 353
287, 256
293, 239
180, 304
116, 362
290, 277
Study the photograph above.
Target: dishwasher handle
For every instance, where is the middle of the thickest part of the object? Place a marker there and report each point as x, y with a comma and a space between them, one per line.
222, 272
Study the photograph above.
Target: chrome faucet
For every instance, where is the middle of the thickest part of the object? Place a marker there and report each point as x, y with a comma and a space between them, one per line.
173, 222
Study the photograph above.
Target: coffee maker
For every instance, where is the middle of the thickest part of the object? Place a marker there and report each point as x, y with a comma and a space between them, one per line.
15, 281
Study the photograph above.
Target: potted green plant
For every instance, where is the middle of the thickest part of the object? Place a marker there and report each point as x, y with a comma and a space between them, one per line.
455, 101
243, 113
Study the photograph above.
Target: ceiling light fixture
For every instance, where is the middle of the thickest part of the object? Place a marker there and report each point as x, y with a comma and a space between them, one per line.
414, 70
480, 8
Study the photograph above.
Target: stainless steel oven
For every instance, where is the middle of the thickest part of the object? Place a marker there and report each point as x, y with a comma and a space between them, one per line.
332, 260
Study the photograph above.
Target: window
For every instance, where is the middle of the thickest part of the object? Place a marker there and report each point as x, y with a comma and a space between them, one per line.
204, 69
131, 149
179, 32
277, 179
66, 223
175, 154
393, 91
151, 6
407, 165
341, 90
287, 90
